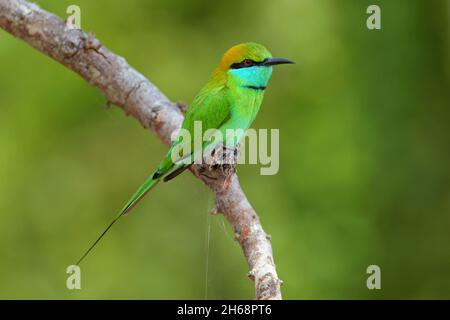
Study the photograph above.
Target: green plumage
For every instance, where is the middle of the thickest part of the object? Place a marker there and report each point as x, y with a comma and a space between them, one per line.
230, 100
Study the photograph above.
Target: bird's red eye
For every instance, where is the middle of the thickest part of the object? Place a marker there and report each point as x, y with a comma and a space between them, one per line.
243, 64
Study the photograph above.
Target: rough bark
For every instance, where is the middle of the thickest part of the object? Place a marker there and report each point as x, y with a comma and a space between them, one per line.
137, 96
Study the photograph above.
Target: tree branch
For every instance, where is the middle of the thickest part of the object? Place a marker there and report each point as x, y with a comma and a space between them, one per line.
124, 86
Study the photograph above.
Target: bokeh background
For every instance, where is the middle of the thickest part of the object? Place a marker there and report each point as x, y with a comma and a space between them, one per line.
364, 164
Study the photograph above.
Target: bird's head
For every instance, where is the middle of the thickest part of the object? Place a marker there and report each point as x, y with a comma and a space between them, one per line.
249, 64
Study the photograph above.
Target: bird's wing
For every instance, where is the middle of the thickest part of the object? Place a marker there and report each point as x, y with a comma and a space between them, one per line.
213, 108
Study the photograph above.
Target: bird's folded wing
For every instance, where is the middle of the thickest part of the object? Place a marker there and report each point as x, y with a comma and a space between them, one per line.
212, 109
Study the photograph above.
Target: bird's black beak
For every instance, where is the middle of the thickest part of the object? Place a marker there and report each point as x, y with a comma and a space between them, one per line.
274, 61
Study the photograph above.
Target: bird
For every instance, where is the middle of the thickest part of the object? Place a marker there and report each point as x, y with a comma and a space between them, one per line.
231, 99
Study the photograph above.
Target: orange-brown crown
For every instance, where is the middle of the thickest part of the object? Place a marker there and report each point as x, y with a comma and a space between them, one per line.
240, 52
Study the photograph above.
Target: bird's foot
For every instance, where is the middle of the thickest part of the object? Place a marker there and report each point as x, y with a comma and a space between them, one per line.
219, 164
222, 157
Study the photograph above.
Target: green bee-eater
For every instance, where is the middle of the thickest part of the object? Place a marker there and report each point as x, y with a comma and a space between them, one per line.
230, 100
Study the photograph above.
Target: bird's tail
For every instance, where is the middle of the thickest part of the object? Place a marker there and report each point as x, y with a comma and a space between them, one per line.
140, 193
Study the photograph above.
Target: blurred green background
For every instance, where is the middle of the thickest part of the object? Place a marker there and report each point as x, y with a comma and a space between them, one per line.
364, 164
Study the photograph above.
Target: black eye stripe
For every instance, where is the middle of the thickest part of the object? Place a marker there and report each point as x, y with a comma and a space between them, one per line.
244, 64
